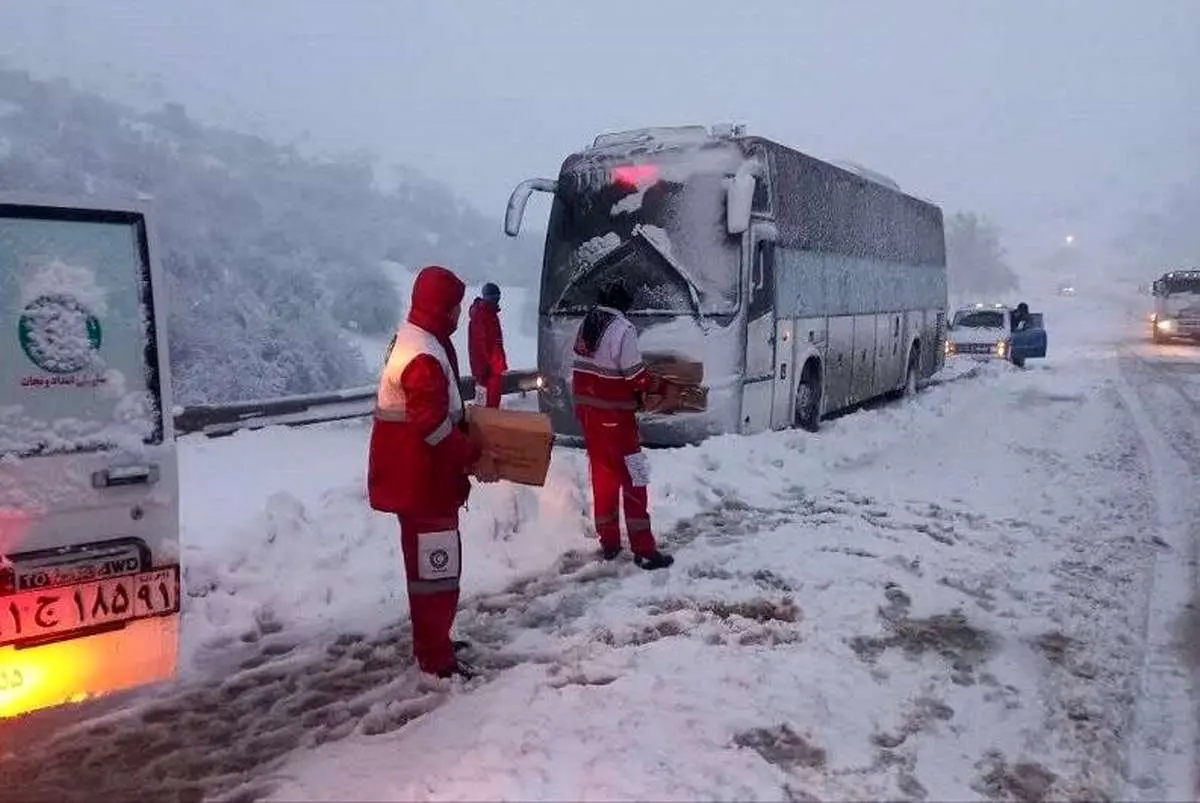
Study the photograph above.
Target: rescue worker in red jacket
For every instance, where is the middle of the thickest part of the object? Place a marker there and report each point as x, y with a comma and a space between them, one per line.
419, 461
607, 378
485, 346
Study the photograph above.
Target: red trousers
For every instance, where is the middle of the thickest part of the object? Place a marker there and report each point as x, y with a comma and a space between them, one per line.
432, 564
612, 447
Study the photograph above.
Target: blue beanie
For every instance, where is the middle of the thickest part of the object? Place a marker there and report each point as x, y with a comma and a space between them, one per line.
490, 292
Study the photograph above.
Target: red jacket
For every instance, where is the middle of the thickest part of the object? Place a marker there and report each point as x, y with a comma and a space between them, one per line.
485, 341
420, 452
608, 372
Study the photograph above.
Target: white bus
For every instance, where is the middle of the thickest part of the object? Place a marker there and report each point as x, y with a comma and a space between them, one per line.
805, 288
89, 497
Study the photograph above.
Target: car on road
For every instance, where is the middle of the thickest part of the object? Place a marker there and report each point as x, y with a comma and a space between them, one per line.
986, 333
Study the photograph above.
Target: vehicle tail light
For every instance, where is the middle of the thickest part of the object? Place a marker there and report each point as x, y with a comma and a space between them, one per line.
634, 175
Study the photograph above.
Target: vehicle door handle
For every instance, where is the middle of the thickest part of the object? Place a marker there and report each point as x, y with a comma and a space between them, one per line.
783, 370
125, 475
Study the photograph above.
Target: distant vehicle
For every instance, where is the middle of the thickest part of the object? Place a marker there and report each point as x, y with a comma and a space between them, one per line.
986, 333
89, 496
1066, 289
803, 287
1176, 306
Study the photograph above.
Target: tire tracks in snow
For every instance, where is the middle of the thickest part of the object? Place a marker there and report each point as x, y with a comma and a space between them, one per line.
220, 739
1162, 756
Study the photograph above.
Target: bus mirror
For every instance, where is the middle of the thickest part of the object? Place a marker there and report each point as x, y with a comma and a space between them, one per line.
520, 196
739, 200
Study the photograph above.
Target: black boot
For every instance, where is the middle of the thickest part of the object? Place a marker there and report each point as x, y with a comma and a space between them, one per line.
655, 560
610, 552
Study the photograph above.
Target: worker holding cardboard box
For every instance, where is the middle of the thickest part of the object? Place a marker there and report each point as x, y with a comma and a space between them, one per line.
607, 378
419, 461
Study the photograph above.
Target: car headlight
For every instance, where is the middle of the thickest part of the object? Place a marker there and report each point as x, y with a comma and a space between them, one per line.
1165, 324
1001, 348
949, 348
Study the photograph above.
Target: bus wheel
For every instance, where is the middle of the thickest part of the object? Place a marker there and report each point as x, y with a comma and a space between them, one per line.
913, 372
808, 398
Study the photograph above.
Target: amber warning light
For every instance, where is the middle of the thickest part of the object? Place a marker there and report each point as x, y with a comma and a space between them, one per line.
635, 175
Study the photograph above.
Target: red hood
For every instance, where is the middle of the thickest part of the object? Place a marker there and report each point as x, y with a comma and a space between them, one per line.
436, 292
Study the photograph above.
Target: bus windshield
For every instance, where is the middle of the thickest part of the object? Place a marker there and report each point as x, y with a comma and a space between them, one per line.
1179, 285
665, 238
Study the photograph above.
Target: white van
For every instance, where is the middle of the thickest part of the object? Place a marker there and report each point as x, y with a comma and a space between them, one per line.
89, 489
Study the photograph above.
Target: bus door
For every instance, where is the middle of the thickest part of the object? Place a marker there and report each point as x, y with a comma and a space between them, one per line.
890, 358
89, 521
767, 391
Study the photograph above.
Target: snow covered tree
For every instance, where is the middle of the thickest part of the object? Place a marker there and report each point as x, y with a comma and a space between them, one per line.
975, 258
271, 255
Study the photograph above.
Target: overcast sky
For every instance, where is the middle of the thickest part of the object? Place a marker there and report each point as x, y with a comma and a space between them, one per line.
1051, 116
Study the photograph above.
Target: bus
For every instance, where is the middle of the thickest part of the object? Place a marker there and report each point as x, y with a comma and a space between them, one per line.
805, 288
1176, 306
89, 490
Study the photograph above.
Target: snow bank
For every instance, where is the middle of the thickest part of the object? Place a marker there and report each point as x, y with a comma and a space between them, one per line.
915, 602
305, 551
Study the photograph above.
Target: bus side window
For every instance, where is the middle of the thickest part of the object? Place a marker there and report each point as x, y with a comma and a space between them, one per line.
762, 280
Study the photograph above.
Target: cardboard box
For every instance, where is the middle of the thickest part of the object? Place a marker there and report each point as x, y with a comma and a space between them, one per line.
521, 439
684, 389
692, 398
680, 371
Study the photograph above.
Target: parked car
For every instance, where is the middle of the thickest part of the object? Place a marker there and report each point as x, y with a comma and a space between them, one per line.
987, 333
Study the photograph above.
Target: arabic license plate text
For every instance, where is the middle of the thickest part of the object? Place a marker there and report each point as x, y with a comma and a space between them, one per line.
43, 613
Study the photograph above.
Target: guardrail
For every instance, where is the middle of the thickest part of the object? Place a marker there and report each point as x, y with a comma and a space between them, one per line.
215, 420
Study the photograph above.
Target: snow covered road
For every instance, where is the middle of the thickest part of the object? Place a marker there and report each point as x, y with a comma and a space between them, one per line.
980, 594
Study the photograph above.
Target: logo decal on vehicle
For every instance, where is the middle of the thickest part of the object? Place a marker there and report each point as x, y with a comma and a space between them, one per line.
59, 334
439, 559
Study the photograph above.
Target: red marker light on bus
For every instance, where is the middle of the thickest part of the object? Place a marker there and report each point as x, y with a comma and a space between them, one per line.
634, 175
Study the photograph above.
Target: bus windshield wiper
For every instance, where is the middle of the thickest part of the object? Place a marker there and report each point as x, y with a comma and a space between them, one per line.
652, 238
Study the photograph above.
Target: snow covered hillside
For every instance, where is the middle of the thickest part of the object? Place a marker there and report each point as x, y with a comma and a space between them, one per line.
978, 594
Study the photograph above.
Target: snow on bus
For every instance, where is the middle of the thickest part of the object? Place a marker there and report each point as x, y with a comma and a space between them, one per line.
806, 288
89, 498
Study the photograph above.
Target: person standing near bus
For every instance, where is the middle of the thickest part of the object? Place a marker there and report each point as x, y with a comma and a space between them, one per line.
607, 378
485, 346
419, 461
